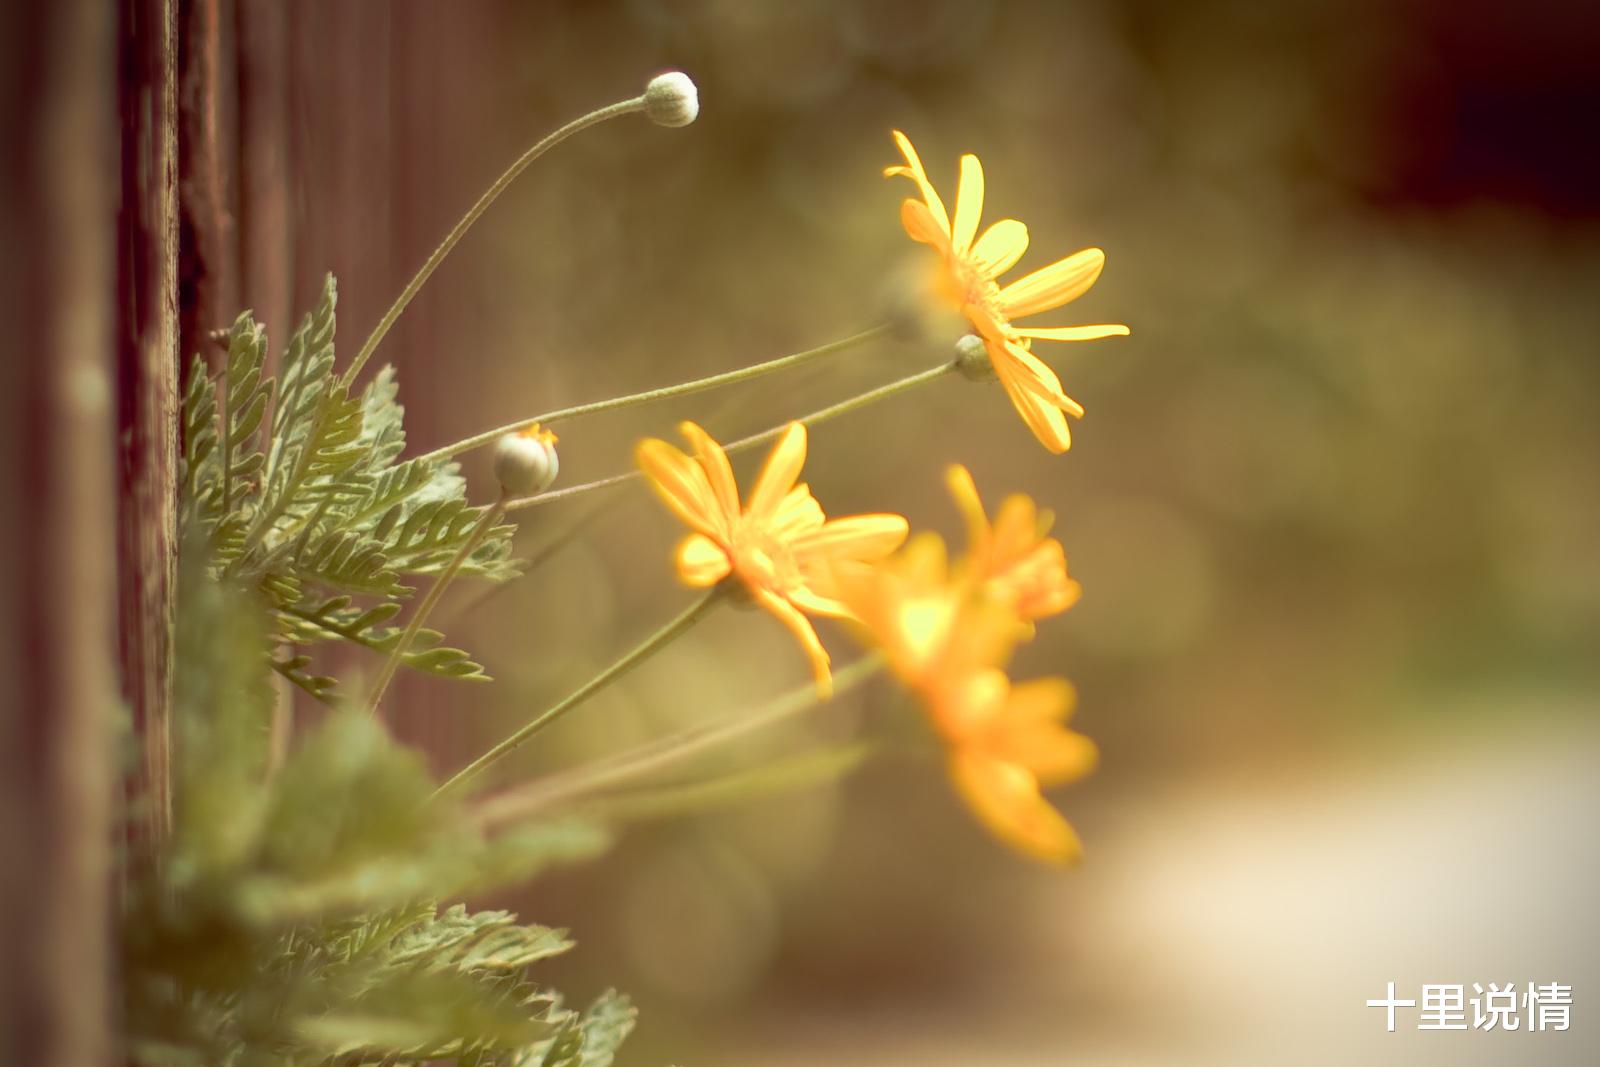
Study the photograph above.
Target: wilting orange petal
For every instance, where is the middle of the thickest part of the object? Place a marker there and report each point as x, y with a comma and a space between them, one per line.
920, 225
1005, 797
913, 170
1050, 287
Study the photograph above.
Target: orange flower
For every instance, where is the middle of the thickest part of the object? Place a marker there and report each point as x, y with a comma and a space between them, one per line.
973, 263
1013, 559
779, 545
1002, 741
1011, 741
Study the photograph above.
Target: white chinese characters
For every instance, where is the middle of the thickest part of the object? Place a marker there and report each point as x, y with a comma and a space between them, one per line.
1531, 1008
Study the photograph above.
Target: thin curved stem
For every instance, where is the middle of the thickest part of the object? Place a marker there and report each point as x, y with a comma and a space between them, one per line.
593, 118
698, 385
663, 753
664, 636
844, 407
423, 609
780, 776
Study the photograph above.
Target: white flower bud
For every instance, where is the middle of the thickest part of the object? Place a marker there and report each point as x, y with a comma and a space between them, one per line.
972, 358
525, 463
671, 99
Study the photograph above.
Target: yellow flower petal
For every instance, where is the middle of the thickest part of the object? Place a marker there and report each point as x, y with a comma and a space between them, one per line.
1001, 245
1043, 417
1027, 730
1073, 333
797, 513
701, 561
1005, 797
860, 537
969, 205
959, 480
913, 170
778, 475
925, 561
1053, 754
1050, 287
920, 225
1042, 700
1016, 527
1034, 375
681, 484
714, 461
966, 706
803, 632
1046, 422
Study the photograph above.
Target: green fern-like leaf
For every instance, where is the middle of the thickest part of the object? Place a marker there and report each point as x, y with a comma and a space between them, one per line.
288, 917
339, 618
315, 503
199, 440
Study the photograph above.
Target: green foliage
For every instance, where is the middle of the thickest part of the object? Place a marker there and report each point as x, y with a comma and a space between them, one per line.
291, 919
313, 507
292, 915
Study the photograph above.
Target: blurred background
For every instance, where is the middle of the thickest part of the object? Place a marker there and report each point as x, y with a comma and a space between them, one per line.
1335, 504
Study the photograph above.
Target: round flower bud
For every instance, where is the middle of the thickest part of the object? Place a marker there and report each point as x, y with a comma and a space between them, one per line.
671, 99
972, 358
525, 463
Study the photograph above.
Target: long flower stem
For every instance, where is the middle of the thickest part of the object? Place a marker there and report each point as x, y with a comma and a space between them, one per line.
661, 754
698, 385
844, 407
780, 776
637, 655
420, 614
593, 118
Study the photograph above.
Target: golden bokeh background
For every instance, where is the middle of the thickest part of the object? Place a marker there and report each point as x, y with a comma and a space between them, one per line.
1334, 506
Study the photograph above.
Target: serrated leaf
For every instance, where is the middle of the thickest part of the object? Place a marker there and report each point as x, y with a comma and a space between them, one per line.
606, 1024
199, 442
244, 392
307, 366
349, 560
383, 420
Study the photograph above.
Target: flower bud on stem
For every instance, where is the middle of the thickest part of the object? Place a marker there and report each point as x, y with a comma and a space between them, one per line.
844, 407
667, 97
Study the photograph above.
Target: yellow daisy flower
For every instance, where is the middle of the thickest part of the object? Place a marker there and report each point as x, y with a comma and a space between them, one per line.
1002, 741
779, 545
972, 264
1012, 558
